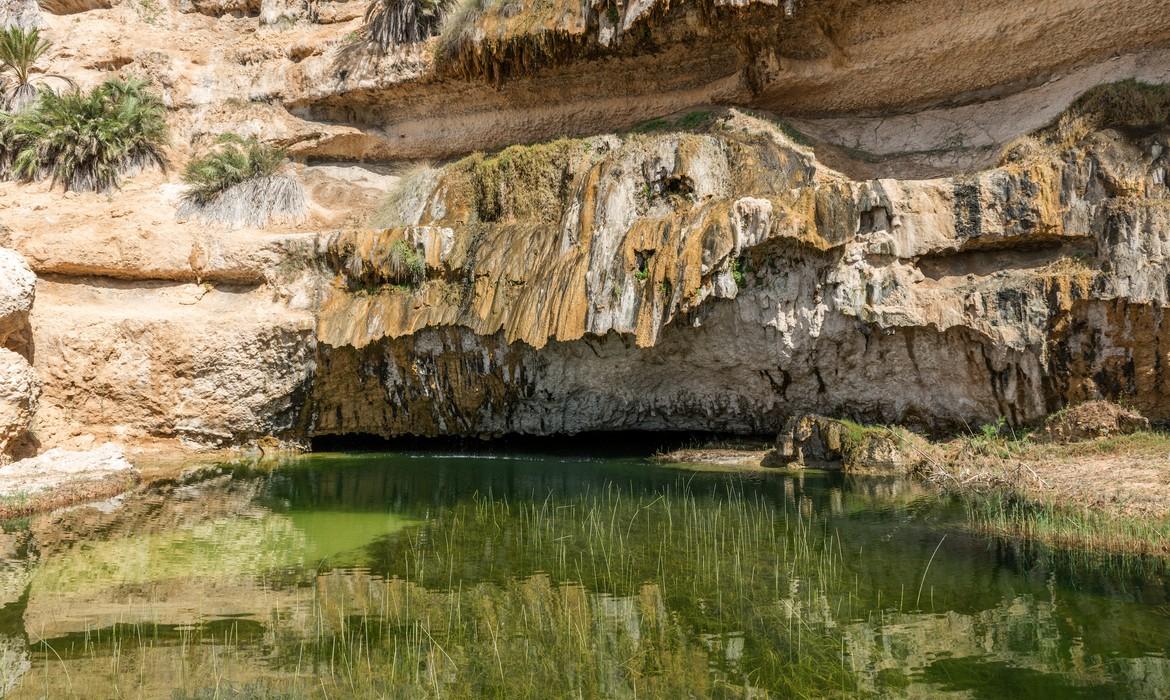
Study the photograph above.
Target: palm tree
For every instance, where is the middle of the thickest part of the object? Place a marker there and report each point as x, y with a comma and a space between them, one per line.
394, 22
19, 50
87, 141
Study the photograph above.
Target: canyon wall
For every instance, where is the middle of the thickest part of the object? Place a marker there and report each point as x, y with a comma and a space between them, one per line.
645, 216
723, 279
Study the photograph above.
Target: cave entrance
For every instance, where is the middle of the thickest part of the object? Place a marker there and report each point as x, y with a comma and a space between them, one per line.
630, 443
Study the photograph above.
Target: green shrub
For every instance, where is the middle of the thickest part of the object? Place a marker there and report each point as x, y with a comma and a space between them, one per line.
86, 141
231, 161
1126, 105
406, 265
737, 273
395, 22
691, 121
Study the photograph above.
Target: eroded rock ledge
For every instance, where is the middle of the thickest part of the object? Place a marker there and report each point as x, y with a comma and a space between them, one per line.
724, 279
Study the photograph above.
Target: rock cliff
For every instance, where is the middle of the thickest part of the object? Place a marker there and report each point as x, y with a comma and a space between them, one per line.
646, 216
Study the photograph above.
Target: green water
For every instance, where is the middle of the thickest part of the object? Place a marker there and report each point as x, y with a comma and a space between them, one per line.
414, 576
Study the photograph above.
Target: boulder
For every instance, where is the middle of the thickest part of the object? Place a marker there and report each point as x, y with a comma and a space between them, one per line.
828, 443
808, 440
19, 391
17, 291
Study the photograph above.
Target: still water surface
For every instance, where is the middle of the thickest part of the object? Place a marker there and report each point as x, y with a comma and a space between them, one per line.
510, 576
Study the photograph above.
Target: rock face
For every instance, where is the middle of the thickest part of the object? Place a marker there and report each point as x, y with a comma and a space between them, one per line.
724, 280
25, 14
897, 238
19, 390
20, 387
17, 291
209, 366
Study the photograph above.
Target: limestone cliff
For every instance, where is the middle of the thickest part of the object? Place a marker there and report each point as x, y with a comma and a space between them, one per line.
724, 279
646, 216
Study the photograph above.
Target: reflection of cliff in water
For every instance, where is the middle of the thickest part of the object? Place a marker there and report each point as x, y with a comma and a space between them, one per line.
259, 570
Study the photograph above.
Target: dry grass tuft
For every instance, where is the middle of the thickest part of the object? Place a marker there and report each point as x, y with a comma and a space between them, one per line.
256, 202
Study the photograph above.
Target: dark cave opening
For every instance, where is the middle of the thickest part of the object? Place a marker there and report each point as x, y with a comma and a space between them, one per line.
629, 443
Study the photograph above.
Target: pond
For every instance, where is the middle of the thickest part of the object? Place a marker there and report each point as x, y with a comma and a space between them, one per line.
415, 575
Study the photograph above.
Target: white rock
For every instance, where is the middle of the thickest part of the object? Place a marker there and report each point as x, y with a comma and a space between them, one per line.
25, 14
57, 466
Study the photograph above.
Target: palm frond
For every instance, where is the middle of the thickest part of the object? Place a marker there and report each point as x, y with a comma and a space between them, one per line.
395, 22
20, 49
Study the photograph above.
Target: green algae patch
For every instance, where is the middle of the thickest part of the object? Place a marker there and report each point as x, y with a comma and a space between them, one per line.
339, 537
223, 549
521, 182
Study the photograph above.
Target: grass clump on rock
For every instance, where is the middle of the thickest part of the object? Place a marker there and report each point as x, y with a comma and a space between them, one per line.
1131, 107
86, 141
240, 182
1128, 105
406, 264
521, 183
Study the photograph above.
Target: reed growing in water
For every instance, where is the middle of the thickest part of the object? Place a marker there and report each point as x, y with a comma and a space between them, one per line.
621, 595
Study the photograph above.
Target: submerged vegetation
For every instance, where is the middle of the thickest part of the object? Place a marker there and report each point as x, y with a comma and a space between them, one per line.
86, 141
571, 581
1009, 514
238, 182
605, 594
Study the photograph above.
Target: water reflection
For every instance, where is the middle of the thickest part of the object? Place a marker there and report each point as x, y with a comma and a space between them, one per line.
425, 576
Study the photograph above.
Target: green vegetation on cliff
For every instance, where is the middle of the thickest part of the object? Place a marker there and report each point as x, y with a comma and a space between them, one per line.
239, 182
1128, 105
19, 50
231, 161
86, 141
521, 182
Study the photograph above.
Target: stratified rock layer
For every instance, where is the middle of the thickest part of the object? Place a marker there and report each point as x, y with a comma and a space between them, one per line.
723, 280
